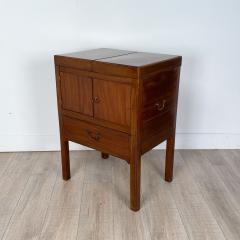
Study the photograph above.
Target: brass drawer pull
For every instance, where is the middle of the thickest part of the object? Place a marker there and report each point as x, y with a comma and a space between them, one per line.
95, 100
96, 136
160, 107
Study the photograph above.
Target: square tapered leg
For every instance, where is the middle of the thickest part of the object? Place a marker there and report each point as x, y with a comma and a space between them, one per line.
169, 158
65, 160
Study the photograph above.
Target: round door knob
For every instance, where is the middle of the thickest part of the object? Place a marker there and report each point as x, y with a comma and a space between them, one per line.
96, 100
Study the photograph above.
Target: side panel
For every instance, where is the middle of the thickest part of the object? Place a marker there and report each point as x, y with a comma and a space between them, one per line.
159, 105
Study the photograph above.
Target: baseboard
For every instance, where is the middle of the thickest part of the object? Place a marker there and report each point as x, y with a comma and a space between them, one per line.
13, 143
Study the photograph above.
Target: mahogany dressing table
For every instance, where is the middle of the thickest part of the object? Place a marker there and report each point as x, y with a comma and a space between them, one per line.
122, 103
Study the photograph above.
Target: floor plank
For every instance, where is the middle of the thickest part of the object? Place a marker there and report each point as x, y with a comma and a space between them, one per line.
12, 183
227, 171
127, 224
62, 216
95, 221
28, 217
161, 213
195, 213
221, 203
5, 159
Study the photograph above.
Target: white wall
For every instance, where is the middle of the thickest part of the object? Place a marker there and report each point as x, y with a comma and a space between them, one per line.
206, 33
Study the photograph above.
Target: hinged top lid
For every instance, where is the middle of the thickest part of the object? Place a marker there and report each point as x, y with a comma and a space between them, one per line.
118, 62
94, 54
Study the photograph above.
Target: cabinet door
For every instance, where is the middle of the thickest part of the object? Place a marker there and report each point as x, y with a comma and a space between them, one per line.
76, 93
112, 101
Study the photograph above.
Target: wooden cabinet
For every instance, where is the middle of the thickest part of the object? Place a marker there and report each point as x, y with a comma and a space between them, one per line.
119, 102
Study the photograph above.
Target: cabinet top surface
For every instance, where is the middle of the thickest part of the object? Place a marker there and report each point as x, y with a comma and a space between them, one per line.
95, 54
122, 57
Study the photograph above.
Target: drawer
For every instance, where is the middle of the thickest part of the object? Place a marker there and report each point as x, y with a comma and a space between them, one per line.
159, 107
160, 85
156, 130
158, 124
103, 139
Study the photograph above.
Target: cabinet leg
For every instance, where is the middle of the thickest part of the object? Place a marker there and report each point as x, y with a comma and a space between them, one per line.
105, 155
135, 182
65, 160
169, 159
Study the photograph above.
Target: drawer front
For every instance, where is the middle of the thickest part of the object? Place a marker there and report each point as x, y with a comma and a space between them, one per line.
157, 108
100, 138
159, 86
158, 124
157, 130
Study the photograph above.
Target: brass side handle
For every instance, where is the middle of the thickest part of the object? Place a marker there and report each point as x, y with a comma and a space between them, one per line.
95, 100
160, 107
95, 136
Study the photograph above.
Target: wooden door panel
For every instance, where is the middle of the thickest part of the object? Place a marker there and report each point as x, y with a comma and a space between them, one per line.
76, 93
112, 101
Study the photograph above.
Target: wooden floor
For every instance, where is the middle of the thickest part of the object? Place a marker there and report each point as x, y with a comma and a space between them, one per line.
202, 202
